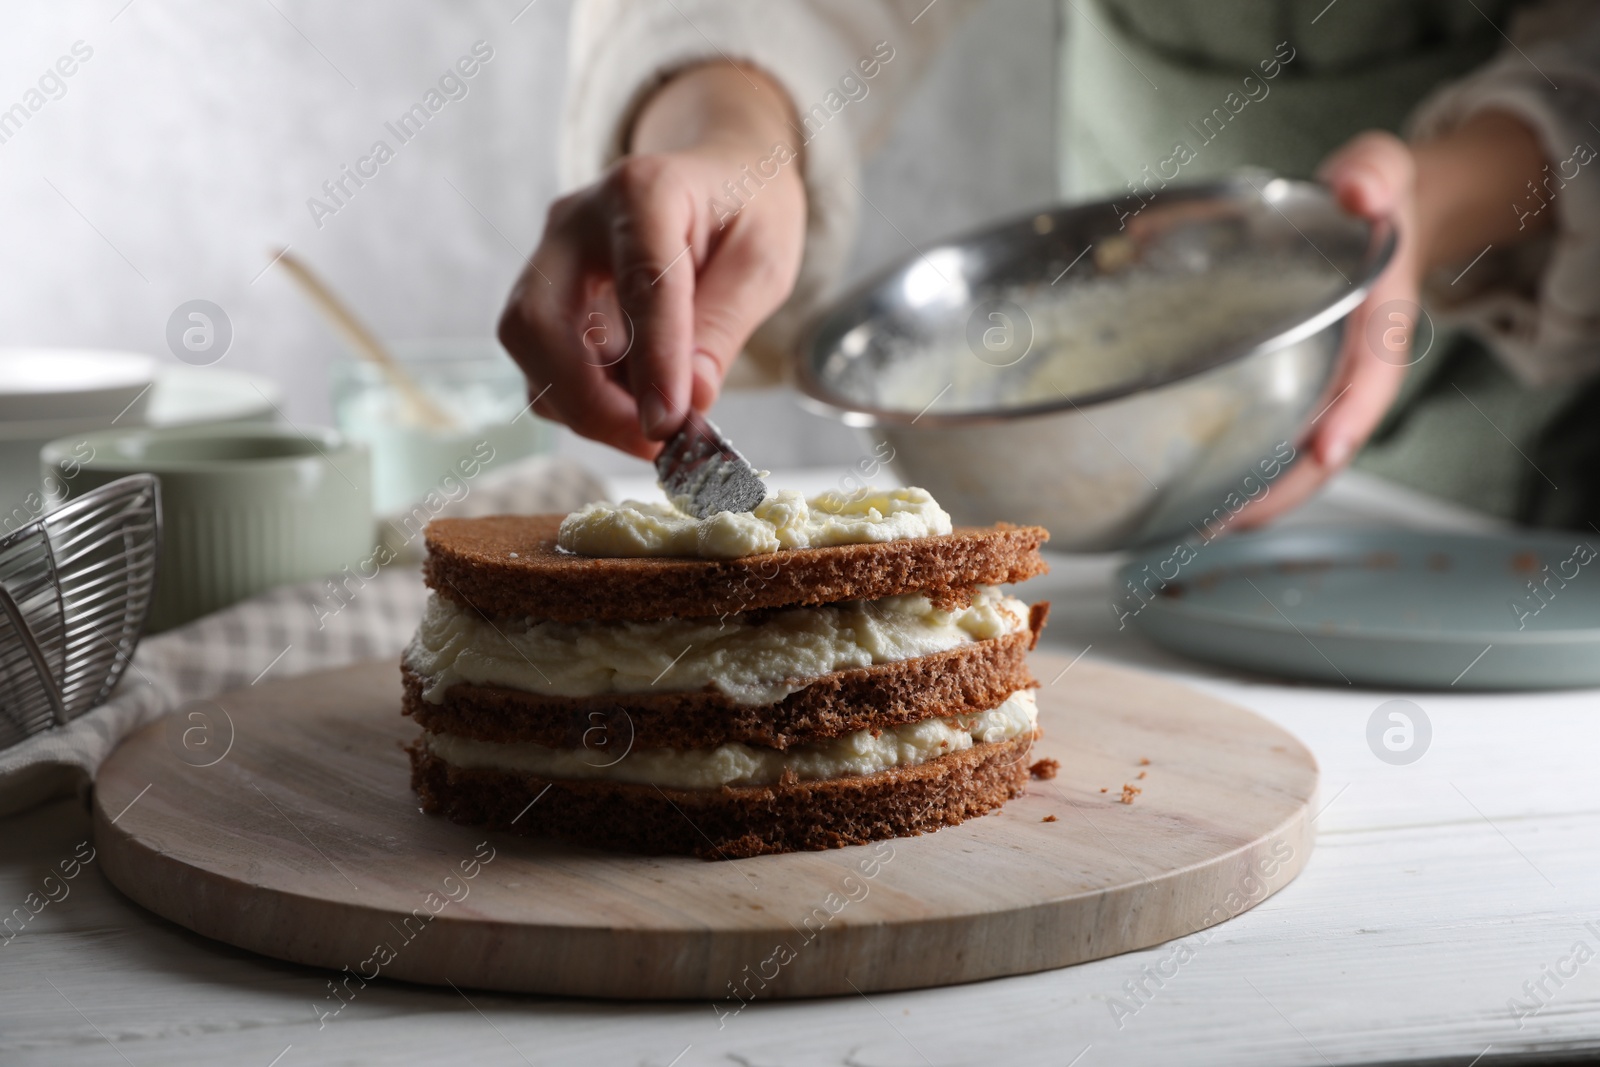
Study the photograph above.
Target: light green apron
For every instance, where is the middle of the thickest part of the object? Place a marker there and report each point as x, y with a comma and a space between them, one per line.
1280, 84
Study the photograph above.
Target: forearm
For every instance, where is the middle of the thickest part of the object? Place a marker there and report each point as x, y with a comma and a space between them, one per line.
715, 105
1473, 189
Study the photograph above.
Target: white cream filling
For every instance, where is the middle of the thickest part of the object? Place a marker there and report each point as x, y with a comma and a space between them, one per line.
751, 662
784, 520
862, 752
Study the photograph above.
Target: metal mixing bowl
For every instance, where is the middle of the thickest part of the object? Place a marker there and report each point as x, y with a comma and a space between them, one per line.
1118, 372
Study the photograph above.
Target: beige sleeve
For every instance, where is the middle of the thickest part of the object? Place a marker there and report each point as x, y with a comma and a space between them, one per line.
1537, 304
621, 50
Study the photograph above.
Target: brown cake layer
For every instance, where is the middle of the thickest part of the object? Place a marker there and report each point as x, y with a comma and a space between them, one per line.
732, 822
974, 677
507, 566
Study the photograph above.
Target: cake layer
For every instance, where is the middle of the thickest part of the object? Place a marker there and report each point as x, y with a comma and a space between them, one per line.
971, 677
508, 566
860, 752
752, 659
731, 822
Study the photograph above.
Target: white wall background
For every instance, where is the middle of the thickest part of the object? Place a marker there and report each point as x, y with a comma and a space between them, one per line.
185, 148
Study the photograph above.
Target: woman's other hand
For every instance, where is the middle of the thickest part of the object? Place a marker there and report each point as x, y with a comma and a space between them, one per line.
1449, 199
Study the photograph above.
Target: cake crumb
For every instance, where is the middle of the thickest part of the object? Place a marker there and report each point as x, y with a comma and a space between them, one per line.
1103, 789
1143, 762
1143, 773
1129, 792
1048, 818
1045, 768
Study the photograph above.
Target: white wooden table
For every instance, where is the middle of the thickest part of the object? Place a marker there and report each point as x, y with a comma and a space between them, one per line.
1439, 892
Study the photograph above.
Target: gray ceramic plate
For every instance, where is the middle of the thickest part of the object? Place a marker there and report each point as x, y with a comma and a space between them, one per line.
1388, 608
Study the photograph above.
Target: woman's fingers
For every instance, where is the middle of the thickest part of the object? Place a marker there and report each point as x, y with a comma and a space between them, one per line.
550, 328
1370, 378
748, 274
1360, 400
1373, 176
637, 300
1377, 344
654, 263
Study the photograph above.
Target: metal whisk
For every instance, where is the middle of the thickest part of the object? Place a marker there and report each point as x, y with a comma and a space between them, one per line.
75, 591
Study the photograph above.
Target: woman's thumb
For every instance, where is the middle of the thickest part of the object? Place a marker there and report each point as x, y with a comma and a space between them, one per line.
735, 293
1371, 174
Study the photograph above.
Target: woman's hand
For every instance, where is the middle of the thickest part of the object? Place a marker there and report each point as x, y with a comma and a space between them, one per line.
1373, 176
1448, 198
646, 284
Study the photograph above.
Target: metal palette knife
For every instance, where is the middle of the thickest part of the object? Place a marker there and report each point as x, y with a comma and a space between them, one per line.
75, 591
701, 471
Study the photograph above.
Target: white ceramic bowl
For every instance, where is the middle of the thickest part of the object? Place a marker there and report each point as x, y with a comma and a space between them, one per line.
38, 384
181, 396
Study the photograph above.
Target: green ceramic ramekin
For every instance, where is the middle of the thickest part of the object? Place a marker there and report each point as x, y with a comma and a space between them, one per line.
244, 508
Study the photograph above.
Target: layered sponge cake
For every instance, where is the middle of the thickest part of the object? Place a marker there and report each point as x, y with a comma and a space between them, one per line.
816, 674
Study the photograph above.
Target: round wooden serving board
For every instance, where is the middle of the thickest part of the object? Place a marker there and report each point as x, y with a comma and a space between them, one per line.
286, 825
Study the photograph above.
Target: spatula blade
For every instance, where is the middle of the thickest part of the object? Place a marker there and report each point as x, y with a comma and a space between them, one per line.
701, 470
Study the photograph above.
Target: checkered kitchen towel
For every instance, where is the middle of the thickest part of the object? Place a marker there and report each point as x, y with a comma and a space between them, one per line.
287, 631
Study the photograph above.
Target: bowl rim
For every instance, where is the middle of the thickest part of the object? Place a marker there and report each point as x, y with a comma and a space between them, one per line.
433, 350
326, 443
127, 369
817, 396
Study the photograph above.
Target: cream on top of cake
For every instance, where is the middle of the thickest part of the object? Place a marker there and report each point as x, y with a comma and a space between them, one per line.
752, 662
786, 519
861, 752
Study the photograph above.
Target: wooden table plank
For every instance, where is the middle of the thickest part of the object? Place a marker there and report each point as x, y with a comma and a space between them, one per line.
1387, 947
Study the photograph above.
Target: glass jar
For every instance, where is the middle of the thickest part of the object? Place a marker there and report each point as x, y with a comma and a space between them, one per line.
474, 382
